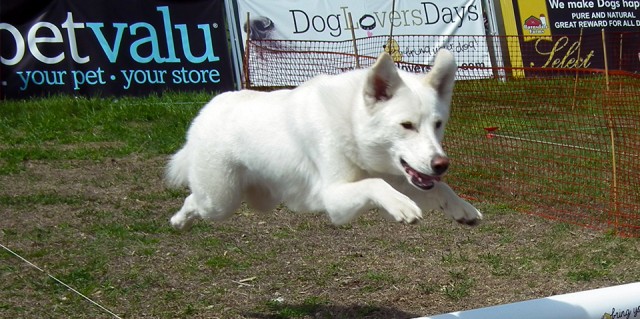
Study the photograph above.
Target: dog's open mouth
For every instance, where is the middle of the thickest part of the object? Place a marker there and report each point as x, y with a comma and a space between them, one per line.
418, 179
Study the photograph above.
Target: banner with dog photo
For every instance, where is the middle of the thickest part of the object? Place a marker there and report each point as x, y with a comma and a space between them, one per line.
418, 29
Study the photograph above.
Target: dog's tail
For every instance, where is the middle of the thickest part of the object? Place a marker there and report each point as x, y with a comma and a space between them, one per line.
177, 174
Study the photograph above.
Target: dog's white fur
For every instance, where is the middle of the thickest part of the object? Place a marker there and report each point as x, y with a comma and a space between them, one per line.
341, 144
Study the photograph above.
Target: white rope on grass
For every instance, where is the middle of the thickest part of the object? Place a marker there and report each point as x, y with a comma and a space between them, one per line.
549, 143
60, 282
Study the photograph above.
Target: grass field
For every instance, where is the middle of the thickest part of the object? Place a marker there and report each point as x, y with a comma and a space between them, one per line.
82, 198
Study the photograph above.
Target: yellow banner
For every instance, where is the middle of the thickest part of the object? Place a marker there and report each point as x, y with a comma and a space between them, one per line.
511, 30
535, 19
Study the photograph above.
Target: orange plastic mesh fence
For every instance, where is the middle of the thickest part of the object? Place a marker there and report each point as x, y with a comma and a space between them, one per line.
556, 137
556, 147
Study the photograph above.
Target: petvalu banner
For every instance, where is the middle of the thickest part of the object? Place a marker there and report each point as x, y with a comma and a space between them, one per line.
328, 20
112, 47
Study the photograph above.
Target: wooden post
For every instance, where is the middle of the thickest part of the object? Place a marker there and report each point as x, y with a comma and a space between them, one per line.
606, 62
575, 81
247, 82
620, 61
353, 39
393, 9
614, 173
620, 55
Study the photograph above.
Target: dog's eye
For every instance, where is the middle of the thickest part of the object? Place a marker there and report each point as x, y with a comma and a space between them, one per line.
408, 126
438, 124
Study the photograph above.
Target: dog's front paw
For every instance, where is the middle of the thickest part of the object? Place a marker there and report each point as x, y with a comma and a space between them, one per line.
462, 212
402, 209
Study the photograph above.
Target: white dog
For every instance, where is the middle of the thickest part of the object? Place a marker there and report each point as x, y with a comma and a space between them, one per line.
342, 144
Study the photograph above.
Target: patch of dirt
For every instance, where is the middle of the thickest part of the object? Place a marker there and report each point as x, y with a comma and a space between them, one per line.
103, 227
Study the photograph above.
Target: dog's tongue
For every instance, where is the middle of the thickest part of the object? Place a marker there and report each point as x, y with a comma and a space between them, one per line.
422, 181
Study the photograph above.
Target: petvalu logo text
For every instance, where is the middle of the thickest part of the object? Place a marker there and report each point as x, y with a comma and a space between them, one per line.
144, 33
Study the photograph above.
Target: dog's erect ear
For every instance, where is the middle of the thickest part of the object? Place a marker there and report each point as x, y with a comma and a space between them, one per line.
383, 79
442, 75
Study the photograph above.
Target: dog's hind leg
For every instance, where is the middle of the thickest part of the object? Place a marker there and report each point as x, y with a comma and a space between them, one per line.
205, 206
184, 218
212, 198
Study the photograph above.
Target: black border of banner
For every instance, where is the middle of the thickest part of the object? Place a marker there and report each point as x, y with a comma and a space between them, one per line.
132, 47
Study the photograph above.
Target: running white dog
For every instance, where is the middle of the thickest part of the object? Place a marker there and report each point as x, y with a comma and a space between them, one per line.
341, 144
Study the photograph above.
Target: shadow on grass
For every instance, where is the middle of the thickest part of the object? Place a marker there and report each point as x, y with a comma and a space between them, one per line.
304, 310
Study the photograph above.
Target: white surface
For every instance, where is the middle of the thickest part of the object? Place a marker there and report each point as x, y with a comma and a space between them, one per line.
611, 302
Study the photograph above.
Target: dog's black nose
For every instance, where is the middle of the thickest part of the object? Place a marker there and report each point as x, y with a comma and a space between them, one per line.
439, 164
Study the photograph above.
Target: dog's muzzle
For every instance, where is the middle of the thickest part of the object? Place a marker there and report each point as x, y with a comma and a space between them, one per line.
420, 180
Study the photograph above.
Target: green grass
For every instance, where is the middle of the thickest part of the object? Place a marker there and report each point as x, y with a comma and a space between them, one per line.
459, 286
67, 128
40, 199
500, 265
283, 310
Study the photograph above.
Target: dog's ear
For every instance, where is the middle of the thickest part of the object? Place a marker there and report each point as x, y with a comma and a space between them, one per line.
442, 75
383, 80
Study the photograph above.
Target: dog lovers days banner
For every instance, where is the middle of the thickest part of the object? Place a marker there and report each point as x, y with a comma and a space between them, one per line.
457, 25
112, 47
